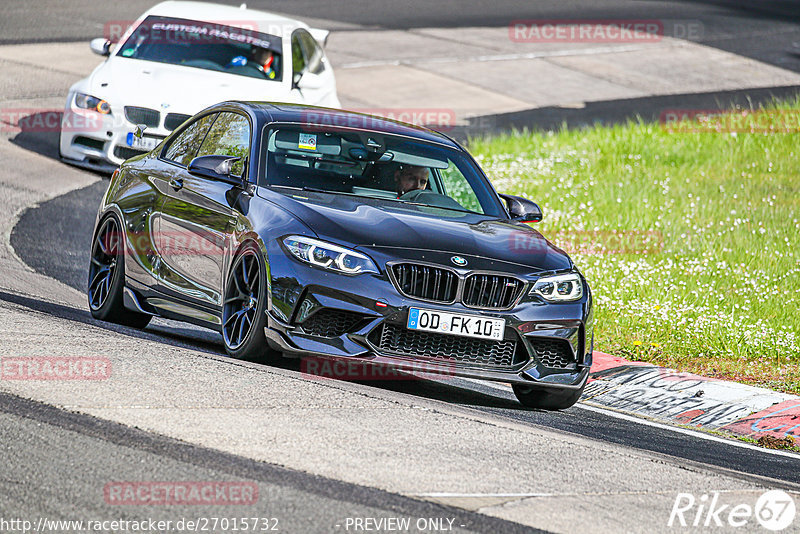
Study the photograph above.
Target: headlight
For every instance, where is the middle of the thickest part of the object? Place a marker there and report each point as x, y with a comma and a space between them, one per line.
329, 256
92, 102
559, 288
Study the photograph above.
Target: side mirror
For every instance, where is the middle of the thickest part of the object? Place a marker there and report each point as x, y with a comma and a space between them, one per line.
216, 168
100, 46
522, 209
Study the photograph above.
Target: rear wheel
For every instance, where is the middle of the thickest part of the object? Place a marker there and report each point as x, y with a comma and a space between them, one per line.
244, 305
547, 398
107, 277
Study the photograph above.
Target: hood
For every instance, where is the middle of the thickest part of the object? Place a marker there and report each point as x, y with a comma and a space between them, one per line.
186, 90
392, 227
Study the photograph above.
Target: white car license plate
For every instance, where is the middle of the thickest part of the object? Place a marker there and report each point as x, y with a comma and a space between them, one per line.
456, 324
142, 143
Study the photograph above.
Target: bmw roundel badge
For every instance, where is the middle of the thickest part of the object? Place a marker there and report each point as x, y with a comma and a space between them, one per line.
458, 260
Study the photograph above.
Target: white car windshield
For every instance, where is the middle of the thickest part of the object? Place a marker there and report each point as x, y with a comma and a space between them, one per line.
206, 45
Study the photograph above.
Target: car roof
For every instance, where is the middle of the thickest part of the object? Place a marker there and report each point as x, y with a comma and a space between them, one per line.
239, 17
338, 119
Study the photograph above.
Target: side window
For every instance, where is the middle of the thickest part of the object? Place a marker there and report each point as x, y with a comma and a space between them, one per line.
456, 187
230, 136
184, 147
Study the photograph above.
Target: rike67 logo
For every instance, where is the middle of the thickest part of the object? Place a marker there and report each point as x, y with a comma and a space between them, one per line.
774, 510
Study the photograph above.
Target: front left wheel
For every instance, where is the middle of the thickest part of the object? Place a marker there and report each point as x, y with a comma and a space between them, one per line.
244, 305
107, 277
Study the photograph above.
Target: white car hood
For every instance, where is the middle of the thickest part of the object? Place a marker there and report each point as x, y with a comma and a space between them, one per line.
177, 89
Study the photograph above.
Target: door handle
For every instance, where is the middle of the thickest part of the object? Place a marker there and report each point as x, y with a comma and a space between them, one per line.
176, 183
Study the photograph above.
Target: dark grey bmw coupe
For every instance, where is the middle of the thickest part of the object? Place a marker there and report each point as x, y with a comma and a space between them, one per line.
314, 232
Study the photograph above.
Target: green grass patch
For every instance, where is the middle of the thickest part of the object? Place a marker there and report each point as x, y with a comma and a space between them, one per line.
689, 240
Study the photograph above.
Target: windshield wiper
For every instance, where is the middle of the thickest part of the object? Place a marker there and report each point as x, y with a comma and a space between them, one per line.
462, 210
316, 190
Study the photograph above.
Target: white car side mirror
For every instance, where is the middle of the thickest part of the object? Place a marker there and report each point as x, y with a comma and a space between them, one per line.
100, 46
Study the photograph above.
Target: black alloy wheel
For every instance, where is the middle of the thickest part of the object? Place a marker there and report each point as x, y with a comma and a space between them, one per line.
244, 305
107, 277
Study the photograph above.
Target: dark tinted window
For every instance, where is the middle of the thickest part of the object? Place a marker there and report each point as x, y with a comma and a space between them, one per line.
229, 136
185, 146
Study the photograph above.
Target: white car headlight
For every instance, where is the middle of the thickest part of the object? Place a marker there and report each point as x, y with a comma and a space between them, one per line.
329, 256
559, 288
93, 103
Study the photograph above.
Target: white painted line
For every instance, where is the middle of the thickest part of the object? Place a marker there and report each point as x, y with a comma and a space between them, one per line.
494, 57
584, 405
565, 494
485, 494
694, 433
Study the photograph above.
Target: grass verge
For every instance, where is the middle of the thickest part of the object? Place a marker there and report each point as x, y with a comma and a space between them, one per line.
688, 238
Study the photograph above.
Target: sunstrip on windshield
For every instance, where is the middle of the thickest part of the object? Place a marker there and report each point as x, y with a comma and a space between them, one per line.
173, 30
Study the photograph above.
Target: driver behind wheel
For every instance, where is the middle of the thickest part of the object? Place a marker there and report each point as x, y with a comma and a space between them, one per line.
410, 178
264, 60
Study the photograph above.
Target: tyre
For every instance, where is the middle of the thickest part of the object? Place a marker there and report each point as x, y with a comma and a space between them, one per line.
547, 398
244, 305
107, 277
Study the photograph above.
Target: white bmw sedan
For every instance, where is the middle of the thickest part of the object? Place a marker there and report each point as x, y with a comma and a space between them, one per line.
179, 58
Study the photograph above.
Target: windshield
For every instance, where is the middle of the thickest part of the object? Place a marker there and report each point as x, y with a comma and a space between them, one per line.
206, 45
378, 166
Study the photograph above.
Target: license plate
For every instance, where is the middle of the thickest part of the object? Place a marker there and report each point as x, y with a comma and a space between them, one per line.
456, 324
142, 143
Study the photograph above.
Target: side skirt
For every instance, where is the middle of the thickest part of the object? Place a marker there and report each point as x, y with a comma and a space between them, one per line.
160, 305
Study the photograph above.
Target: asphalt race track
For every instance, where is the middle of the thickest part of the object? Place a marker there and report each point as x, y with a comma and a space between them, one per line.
101, 447
766, 30
75, 213
59, 453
